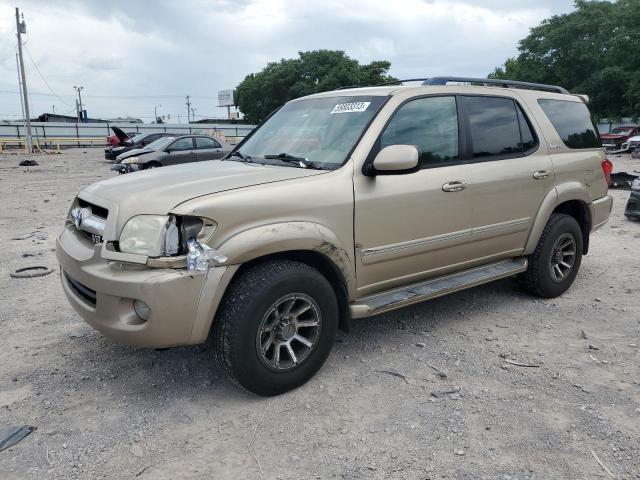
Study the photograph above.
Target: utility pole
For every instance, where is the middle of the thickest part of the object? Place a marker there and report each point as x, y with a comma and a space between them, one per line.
193, 115
80, 111
188, 102
21, 28
155, 113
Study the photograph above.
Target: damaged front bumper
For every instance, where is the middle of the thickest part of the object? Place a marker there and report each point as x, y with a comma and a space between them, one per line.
181, 304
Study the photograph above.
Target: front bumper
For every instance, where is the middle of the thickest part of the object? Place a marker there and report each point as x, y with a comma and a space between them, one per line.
632, 209
182, 304
600, 210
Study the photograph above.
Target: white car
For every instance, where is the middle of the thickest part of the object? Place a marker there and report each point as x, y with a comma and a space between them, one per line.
631, 144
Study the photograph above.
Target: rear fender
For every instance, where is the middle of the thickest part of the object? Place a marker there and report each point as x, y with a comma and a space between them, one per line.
563, 193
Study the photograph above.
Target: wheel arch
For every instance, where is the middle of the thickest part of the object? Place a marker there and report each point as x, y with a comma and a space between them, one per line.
572, 199
305, 242
324, 265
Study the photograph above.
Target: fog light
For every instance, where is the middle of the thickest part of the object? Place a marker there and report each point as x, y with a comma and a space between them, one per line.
142, 309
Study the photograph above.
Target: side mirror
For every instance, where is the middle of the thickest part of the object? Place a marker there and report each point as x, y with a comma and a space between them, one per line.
396, 159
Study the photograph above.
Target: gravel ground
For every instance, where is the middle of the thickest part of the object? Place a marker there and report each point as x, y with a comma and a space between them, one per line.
378, 409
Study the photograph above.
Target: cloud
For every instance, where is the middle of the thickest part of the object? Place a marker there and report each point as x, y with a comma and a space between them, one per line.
130, 56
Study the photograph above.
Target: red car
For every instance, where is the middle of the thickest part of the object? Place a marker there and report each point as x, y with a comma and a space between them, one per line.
119, 137
612, 141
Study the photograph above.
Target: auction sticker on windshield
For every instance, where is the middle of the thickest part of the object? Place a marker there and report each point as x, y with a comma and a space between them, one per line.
350, 107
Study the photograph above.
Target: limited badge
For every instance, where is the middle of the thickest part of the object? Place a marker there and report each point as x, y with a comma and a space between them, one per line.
350, 107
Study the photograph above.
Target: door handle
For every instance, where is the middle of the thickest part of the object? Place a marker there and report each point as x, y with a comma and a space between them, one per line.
455, 186
540, 174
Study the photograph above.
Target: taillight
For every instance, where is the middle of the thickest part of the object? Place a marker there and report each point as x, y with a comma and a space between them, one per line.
607, 168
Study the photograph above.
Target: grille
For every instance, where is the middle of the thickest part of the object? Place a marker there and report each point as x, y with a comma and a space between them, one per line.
94, 218
85, 293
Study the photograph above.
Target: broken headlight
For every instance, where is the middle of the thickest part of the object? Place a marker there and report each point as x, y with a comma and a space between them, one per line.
635, 186
130, 160
163, 235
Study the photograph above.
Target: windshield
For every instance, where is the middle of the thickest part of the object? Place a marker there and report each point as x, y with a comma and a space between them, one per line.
320, 130
621, 131
158, 144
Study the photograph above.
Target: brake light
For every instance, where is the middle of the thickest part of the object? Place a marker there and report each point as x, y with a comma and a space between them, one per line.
607, 168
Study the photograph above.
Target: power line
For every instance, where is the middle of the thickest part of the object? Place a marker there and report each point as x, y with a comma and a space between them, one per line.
44, 79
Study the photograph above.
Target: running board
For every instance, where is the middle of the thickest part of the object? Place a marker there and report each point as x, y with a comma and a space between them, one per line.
417, 292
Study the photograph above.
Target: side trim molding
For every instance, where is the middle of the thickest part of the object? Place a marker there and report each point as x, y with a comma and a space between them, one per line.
423, 245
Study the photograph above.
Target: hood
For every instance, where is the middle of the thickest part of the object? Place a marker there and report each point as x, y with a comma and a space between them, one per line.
133, 153
123, 137
159, 190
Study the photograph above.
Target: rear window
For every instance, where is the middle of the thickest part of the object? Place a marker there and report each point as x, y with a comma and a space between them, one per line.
572, 122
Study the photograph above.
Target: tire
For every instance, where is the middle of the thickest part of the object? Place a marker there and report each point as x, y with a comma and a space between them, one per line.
150, 165
250, 306
545, 276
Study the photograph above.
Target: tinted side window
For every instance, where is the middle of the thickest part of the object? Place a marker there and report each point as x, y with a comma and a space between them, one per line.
494, 127
182, 144
202, 142
572, 122
431, 124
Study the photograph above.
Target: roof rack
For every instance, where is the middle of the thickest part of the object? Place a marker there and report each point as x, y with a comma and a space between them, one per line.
495, 82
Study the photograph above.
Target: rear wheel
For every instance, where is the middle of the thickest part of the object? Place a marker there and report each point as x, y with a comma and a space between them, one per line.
555, 262
276, 326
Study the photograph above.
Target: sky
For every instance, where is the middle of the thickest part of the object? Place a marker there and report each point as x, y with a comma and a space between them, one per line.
131, 56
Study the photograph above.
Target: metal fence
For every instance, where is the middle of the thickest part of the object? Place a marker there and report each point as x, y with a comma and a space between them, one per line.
52, 134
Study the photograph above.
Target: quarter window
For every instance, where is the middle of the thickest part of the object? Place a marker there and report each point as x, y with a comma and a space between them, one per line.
572, 122
431, 124
494, 127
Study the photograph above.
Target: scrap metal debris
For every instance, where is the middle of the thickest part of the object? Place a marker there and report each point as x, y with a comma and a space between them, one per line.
10, 436
520, 364
395, 374
31, 272
622, 180
604, 467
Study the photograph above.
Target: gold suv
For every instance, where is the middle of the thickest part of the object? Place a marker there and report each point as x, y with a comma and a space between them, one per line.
341, 205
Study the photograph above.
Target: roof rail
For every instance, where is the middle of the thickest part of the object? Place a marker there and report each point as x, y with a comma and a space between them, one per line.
496, 82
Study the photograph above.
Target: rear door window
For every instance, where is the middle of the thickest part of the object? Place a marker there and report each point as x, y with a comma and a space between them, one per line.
205, 143
572, 121
494, 127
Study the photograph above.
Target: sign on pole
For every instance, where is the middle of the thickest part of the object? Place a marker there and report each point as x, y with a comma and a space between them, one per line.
225, 98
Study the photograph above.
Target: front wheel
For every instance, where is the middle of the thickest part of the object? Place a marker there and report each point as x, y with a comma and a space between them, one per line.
276, 326
555, 262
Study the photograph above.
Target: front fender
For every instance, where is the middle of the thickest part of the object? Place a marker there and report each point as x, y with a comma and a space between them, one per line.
275, 238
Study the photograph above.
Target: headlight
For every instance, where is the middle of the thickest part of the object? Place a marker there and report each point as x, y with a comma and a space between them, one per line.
635, 186
163, 235
130, 160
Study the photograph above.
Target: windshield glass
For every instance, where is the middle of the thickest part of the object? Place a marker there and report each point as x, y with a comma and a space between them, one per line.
158, 144
321, 130
621, 131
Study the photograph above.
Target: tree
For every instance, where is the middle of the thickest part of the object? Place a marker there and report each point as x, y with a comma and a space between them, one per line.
593, 50
312, 72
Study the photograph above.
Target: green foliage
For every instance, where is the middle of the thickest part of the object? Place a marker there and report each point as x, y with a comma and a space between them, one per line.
312, 72
593, 50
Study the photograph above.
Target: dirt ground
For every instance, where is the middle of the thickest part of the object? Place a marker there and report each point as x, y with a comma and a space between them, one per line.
376, 410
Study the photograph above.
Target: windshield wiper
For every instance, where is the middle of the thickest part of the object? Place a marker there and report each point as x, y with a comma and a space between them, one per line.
302, 162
